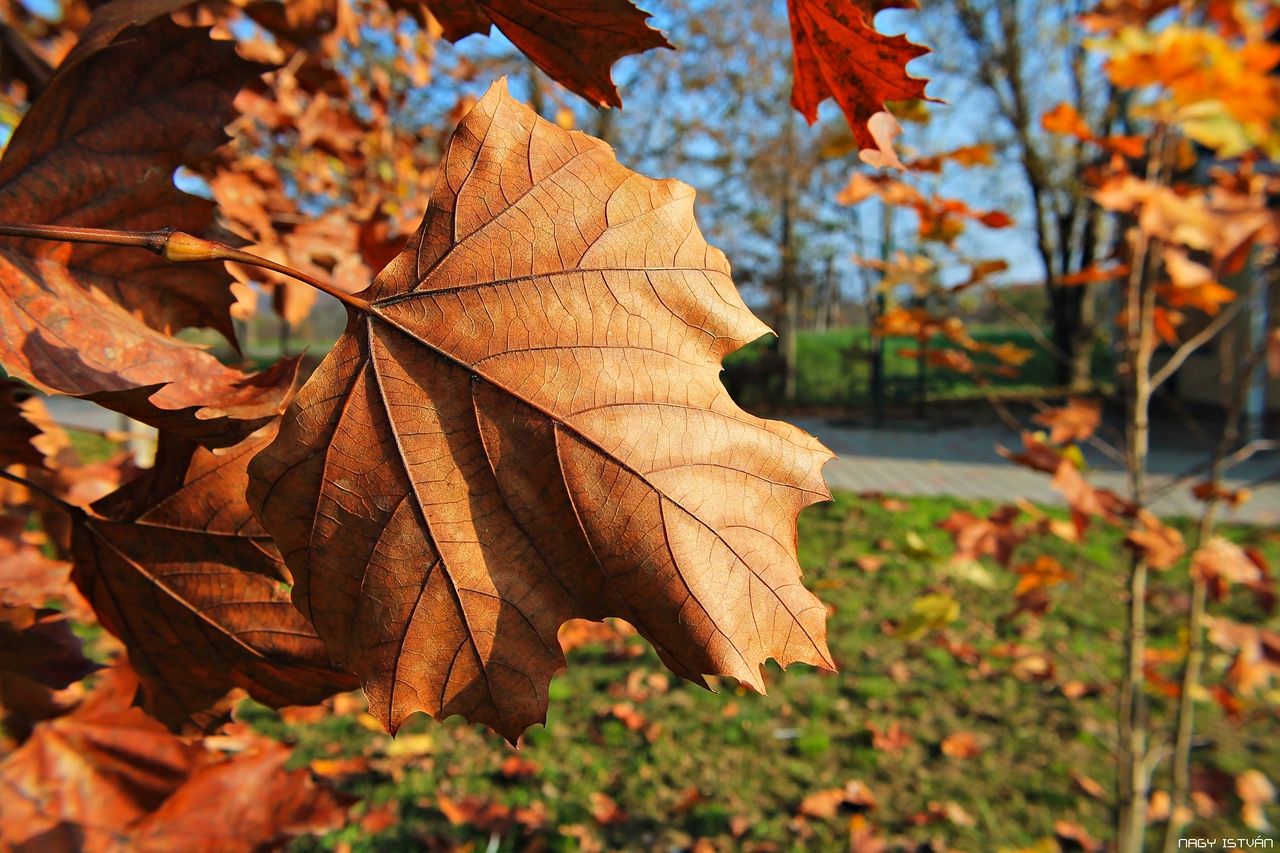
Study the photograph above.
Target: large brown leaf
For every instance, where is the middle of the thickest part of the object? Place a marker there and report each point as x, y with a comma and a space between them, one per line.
176, 566
838, 54
99, 149
576, 42
528, 426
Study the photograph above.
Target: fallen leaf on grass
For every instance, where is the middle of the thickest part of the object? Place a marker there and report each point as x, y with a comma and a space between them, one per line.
892, 740
1075, 836
1088, 785
827, 803
962, 745
995, 536
1256, 792
1045, 572
869, 563
604, 810
863, 837
518, 769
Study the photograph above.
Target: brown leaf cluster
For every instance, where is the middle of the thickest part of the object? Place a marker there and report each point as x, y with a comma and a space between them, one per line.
94, 321
107, 777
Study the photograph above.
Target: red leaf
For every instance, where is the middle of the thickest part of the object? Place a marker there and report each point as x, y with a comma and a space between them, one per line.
575, 41
839, 54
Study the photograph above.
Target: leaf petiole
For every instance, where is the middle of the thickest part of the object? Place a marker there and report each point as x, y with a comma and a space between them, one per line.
27, 484
174, 246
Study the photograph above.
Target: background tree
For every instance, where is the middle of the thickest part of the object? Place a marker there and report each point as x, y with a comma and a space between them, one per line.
1017, 58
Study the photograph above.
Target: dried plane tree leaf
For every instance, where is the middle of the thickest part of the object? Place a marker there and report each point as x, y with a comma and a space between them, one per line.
527, 425
99, 149
575, 41
838, 54
247, 802
176, 566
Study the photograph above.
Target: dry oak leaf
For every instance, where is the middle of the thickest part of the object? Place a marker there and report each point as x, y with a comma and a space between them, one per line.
575, 41
99, 149
838, 54
526, 425
177, 567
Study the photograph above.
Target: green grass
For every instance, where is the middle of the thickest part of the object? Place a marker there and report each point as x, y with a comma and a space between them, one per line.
830, 373
735, 759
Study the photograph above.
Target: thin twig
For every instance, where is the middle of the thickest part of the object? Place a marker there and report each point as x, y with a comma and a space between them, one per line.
1024, 320
1194, 343
173, 246
27, 484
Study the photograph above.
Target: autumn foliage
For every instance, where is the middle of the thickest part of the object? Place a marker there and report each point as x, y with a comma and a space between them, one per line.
523, 425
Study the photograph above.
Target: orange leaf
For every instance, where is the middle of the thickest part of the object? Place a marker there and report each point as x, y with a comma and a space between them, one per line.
1066, 120
962, 745
838, 54
1161, 544
1075, 421
1043, 573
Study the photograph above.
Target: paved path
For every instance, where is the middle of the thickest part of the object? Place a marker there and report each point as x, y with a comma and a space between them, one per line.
958, 461
963, 462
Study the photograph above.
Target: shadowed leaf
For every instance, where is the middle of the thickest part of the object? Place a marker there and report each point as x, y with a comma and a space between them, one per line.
176, 566
107, 778
575, 42
99, 149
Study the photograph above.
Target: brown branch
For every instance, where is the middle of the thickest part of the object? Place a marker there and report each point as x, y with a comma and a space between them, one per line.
175, 247
27, 484
1182, 353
